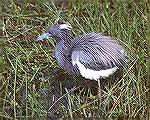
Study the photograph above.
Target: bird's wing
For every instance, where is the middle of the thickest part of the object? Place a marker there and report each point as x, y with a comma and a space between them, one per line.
98, 52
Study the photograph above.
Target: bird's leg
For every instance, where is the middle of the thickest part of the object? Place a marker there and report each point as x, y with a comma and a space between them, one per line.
99, 93
100, 110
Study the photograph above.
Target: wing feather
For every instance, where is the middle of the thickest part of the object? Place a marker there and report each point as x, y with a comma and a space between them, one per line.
98, 52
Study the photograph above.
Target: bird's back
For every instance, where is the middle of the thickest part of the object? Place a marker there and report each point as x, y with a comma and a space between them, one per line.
98, 52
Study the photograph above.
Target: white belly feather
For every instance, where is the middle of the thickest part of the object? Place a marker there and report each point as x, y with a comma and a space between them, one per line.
92, 74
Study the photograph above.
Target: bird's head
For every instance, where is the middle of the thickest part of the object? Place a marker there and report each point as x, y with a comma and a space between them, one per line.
54, 31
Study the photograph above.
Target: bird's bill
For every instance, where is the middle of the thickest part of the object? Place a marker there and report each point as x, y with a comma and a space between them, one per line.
45, 35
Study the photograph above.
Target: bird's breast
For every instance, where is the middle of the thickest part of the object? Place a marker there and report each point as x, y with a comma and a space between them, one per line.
63, 56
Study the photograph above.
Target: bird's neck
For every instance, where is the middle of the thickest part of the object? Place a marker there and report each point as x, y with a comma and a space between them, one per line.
66, 38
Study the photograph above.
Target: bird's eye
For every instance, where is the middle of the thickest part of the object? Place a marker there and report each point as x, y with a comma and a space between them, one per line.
49, 32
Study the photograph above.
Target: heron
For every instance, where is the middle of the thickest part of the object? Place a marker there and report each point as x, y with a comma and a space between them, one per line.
93, 55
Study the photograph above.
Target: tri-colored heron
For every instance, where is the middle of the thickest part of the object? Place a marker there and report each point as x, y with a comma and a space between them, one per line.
92, 55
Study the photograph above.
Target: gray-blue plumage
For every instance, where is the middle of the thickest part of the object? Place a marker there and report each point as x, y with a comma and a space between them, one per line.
87, 53
99, 52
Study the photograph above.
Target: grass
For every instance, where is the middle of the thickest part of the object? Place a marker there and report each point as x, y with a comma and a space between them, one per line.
32, 85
